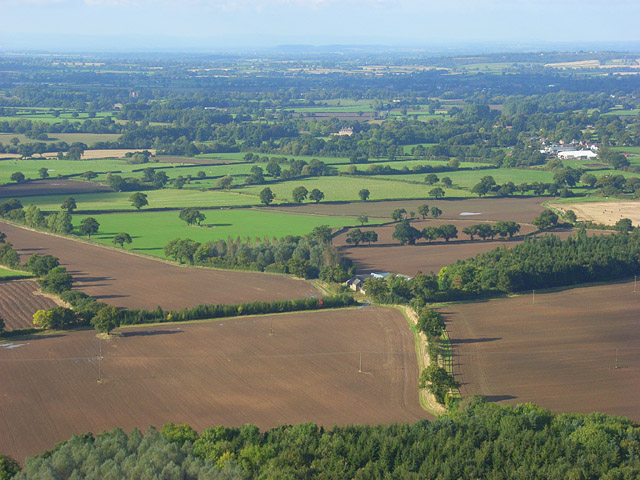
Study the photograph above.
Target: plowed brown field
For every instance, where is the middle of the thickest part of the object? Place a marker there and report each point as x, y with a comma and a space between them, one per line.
559, 353
126, 280
51, 187
387, 255
521, 210
214, 373
18, 303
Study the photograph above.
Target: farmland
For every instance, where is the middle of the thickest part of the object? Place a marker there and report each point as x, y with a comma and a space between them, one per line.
18, 303
228, 372
126, 280
153, 230
388, 256
557, 350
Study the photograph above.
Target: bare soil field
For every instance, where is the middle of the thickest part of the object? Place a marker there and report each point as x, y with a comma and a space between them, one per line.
389, 256
18, 303
516, 209
559, 353
127, 280
607, 213
229, 372
51, 187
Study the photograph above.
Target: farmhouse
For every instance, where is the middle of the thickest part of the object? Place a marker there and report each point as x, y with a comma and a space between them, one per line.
348, 131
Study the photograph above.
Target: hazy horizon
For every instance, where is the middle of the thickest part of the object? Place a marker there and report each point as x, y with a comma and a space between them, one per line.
232, 25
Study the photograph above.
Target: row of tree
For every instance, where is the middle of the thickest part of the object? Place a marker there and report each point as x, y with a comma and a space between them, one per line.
476, 440
306, 256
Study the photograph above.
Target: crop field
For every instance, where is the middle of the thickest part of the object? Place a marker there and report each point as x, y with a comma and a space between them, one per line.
151, 231
605, 212
387, 255
347, 188
522, 210
267, 370
572, 350
125, 280
18, 303
51, 187
168, 198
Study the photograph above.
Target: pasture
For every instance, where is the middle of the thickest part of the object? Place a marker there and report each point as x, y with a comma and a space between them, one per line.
151, 231
126, 280
571, 350
168, 198
264, 370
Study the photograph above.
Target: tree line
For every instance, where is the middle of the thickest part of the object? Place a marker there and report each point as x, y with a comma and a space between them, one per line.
309, 256
475, 440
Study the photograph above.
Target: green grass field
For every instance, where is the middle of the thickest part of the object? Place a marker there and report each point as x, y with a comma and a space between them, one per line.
151, 231
61, 167
468, 178
6, 272
167, 198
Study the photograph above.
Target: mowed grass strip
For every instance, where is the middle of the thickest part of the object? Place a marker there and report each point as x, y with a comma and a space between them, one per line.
7, 272
167, 198
151, 231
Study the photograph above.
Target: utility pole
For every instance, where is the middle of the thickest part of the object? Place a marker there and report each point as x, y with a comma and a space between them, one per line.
616, 359
271, 329
533, 298
360, 367
100, 363
635, 283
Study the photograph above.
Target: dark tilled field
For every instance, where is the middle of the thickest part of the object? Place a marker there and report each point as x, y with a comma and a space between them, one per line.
18, 303
214, 373
126, 280
389, 256
521, 210
560, 353
51, 187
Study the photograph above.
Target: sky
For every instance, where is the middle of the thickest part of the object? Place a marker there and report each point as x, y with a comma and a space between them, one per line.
215, 25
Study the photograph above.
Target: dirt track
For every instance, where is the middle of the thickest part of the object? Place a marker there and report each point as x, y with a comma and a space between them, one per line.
224, 372
18, 303
559, 353
126, 280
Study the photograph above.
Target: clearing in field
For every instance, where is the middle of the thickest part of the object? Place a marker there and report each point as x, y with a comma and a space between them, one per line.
266, 370
607, 213
19, 300
126, 280
575, 350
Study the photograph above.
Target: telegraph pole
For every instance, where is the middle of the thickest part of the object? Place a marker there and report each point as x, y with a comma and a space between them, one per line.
360, 367
100, 363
